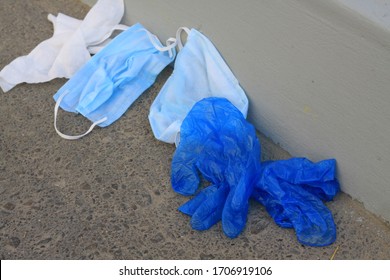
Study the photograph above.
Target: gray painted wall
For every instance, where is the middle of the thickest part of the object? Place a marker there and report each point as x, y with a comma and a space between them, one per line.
316, 74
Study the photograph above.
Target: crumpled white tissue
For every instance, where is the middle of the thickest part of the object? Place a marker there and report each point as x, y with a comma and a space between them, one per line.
68, 49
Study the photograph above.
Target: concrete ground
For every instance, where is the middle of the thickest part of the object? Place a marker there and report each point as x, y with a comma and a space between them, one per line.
108, 195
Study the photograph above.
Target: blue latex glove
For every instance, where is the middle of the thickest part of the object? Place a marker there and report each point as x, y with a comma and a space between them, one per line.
292, 191
217, 141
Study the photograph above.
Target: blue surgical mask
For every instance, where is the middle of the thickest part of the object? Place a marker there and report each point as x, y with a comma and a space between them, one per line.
105, 87
200, 72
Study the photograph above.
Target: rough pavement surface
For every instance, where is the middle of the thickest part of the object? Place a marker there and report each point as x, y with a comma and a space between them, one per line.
108, 195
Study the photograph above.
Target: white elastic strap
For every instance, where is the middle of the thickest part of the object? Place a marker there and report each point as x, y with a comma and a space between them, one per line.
120, 27
178, 36
98, 46
177, 139
171, 43
70, 137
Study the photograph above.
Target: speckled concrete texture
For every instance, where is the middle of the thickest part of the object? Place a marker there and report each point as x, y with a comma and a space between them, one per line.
108, 195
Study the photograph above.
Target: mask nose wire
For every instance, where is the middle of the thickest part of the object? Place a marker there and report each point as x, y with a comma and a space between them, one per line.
71, 137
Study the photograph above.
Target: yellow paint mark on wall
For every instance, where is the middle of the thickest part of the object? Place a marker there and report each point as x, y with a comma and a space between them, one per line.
309, 111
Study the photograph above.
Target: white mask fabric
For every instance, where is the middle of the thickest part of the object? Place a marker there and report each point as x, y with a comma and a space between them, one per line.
199, 72
68, 49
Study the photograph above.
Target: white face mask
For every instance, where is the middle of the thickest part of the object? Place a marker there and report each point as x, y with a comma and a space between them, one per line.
199, 72
68, 49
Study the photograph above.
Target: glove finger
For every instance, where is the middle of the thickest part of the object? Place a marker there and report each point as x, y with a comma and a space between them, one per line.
321, 171
234, 213
184, 175
192, 205
210, 211
303, 171
317, 178
312, 220
273, 206
292, 206
325, 191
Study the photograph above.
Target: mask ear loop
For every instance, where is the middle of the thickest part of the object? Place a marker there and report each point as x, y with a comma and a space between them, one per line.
70, 137
178, 36
171, 43
98, 46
